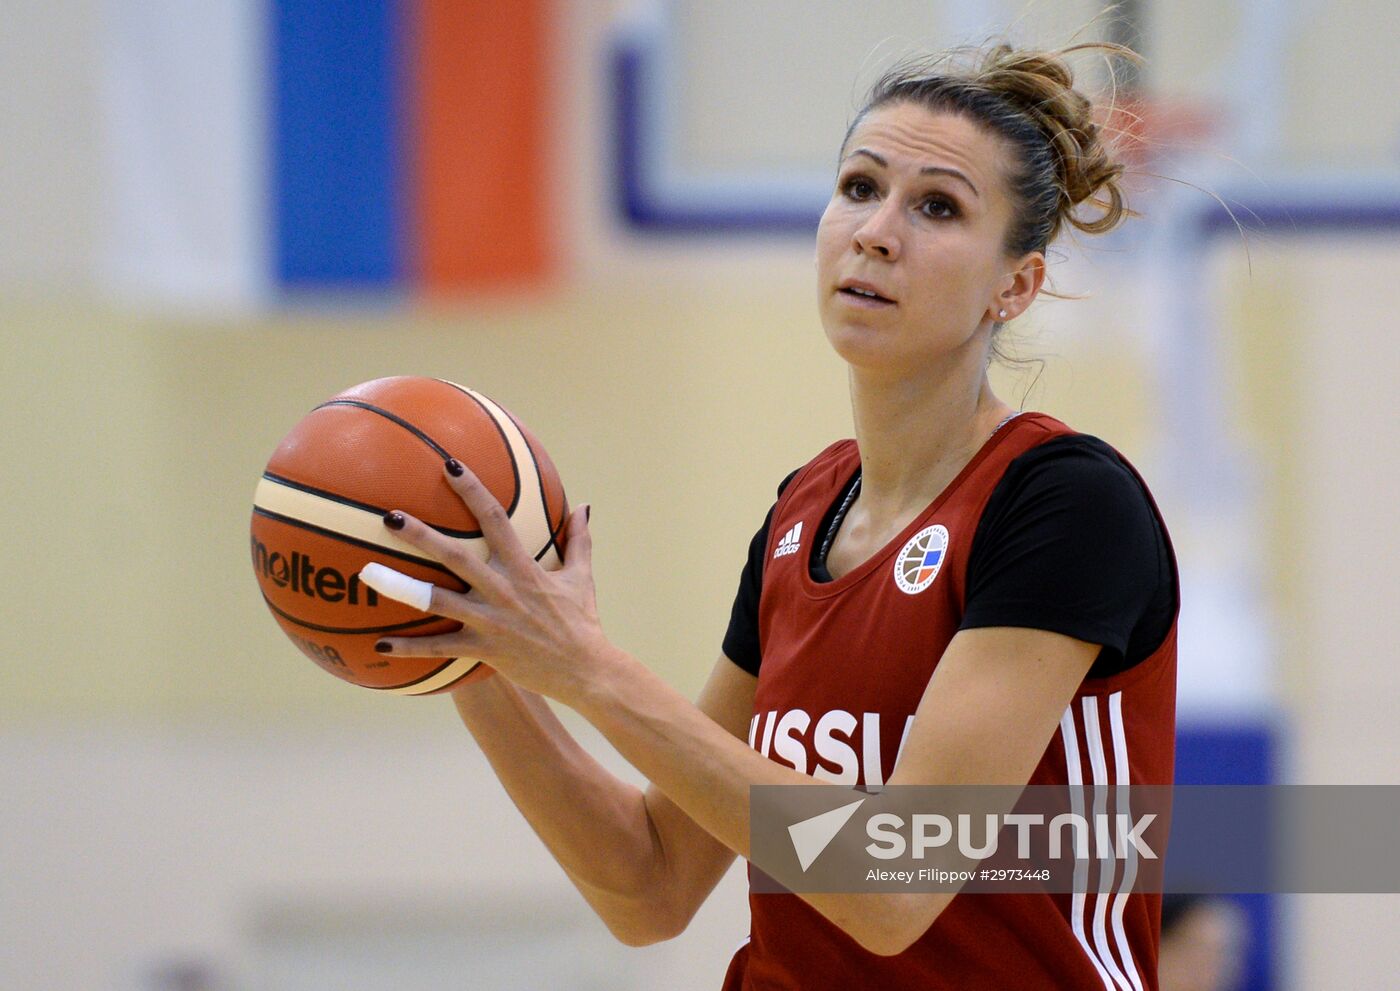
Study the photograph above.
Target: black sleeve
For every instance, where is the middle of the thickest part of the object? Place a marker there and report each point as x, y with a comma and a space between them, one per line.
741, 639
1069, 543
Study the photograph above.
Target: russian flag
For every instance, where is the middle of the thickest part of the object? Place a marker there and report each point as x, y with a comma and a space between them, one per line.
929, 564
372, 146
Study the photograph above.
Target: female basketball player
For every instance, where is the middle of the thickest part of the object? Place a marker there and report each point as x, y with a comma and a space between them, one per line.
989, 597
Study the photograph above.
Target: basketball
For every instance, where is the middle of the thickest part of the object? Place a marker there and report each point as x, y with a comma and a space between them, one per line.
318, 519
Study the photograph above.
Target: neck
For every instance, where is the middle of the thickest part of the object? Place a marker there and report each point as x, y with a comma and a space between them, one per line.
916, 432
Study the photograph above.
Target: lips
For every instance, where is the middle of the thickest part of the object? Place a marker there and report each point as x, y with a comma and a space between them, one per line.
864, 292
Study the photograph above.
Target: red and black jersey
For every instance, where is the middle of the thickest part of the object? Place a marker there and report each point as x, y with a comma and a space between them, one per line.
844, 664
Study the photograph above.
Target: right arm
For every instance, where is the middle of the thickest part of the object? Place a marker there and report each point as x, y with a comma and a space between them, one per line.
642, 864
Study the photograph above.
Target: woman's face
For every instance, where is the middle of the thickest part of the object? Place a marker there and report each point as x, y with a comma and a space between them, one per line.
918, 217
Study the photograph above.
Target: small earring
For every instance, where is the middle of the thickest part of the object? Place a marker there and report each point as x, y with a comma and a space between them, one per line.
1001, 314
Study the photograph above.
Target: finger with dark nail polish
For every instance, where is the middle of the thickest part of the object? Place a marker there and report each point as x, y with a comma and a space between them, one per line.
394, 520
383, 646
588, 513
454, 468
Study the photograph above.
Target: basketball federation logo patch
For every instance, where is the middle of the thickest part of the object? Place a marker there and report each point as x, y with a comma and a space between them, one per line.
918, 563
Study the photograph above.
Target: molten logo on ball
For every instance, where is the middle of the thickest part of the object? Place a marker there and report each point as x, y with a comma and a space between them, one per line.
297, 572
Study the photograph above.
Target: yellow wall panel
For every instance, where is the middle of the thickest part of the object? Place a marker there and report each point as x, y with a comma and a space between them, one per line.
135, 447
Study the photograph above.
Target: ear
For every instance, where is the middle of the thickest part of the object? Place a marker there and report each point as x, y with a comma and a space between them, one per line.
1018, 288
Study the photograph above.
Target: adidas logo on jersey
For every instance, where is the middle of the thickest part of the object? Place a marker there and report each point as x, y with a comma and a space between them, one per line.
792, 540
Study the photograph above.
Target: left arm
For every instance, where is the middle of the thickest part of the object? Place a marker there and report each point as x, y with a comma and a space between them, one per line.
985, 718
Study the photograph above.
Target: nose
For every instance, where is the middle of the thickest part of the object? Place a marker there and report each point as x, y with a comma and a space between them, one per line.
879, 235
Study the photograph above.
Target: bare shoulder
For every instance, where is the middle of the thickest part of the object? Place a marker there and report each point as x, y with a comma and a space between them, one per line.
992, 705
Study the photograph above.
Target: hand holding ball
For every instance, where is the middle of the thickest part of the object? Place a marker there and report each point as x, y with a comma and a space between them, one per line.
318, 520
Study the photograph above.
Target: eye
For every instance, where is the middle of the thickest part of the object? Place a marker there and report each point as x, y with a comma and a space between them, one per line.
858, 187
940, 207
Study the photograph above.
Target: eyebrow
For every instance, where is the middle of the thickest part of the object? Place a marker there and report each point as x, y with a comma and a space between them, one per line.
926, 170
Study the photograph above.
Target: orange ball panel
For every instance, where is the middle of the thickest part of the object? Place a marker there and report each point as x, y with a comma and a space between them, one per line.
351, 657
373, 460
310, 583
458, 424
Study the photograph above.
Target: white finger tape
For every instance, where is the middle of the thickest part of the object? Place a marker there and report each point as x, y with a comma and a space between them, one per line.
398, 586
